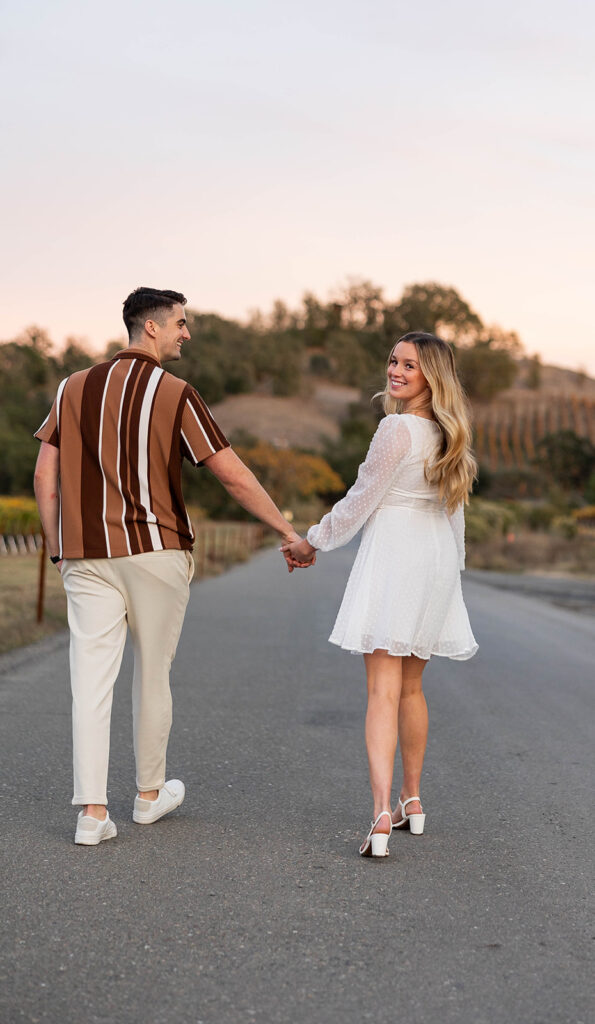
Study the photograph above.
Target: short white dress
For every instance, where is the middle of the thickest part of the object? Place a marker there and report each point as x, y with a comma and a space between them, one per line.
404, 593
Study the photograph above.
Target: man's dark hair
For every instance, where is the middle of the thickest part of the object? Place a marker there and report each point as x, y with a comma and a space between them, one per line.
148, 304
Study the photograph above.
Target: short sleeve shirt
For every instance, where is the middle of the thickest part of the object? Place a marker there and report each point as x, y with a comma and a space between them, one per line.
122, 428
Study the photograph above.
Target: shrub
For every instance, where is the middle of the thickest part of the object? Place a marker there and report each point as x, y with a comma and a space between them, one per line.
481, 485
485, 519
319, 365
513, 484
590, 489
289, 475
585, 516
291, 478
565, 526
19, 515
539, 517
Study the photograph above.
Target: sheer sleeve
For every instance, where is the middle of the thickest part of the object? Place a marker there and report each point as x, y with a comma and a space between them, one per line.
389, 447
457, 523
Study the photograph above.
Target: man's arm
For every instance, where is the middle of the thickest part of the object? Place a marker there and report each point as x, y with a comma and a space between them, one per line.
47, 493
242, 485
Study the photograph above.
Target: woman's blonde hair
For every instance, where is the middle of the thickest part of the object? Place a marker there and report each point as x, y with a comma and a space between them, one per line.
454, 468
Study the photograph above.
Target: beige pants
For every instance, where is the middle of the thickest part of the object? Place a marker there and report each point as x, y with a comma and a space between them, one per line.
149, 592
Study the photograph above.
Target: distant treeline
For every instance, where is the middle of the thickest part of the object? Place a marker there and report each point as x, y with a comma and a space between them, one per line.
345, 340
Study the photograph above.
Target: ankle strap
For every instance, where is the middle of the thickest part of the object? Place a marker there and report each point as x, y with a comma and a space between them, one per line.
382, 813
409, 800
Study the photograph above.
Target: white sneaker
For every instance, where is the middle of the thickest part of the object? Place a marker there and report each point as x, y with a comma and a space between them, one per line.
170, 796
91, 831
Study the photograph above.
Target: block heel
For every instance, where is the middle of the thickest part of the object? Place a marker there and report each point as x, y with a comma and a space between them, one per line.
379, 843
376, 843
414, 822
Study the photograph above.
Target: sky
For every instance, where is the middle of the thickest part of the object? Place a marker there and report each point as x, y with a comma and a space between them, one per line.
242, 152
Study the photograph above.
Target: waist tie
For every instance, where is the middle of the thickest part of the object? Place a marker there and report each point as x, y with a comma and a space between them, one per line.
433, 506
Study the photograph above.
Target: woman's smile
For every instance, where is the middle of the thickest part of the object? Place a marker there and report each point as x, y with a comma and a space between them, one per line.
404, 373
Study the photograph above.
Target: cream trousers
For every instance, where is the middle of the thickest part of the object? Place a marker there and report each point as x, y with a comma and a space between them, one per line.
149, 593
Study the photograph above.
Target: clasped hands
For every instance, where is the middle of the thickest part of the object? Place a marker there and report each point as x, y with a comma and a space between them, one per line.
298, 553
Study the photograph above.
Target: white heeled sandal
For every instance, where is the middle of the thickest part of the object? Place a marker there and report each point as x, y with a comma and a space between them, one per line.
415, 822
376, 843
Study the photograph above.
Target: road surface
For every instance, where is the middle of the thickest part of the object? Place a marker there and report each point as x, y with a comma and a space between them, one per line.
250, 904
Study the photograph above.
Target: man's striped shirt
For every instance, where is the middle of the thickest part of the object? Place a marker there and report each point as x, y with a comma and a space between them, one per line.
123, 428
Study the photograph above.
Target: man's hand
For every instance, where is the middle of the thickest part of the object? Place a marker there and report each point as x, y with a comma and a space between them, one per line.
293, 539
299, 554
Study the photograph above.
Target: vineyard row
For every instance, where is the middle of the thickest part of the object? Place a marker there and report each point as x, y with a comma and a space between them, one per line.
507, 435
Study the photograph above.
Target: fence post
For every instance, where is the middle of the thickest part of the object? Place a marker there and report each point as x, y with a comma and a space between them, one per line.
41, 580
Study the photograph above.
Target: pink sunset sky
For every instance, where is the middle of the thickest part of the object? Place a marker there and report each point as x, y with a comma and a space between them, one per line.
246, 152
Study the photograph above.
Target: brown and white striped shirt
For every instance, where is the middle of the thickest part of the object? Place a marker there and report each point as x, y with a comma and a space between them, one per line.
123, 428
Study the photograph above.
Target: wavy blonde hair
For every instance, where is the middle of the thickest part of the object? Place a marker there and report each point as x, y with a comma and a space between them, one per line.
454, 468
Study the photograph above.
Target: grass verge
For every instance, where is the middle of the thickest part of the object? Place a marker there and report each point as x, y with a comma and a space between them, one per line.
18, 601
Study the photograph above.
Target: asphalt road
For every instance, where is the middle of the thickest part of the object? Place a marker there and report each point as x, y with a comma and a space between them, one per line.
250, 904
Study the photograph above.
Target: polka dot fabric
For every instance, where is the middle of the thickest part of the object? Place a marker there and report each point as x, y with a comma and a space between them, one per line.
404, 593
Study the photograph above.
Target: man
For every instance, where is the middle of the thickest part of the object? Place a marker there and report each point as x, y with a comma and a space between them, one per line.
108, 487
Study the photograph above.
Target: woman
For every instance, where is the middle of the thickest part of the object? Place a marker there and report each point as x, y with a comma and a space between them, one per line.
403, 601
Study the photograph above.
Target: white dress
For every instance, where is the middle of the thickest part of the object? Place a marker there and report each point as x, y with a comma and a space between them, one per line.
404, 593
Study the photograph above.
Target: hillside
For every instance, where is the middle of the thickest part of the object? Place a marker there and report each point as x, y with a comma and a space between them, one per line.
293, 422
507, 429
554, 380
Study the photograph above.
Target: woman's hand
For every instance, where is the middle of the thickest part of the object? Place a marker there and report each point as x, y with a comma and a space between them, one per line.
299, 554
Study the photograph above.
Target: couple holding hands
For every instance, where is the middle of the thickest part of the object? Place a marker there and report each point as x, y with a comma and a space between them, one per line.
108, 486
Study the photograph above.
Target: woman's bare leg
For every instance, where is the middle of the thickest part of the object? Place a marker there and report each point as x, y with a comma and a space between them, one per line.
413, 730
384, 689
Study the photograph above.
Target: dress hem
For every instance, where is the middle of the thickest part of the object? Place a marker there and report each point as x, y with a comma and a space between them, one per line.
424, 655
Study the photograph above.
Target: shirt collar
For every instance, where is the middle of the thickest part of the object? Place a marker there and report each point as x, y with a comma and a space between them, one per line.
136, 353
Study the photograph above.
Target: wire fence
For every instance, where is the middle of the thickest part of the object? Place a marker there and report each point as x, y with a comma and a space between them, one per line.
20, 543
219, 545
216, 543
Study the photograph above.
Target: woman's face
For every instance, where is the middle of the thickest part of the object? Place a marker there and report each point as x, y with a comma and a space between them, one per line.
405, 379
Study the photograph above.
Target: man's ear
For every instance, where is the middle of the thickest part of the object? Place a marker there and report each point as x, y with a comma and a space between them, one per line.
151, 328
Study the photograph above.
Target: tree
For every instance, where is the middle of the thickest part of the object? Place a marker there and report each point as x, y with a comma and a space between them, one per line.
435, 309
72, 358
313, 319
361, 304
354, 362
111, 347
281, 318
567, 459
219, 360
27, 386
501, 340
485, 370
534, 372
